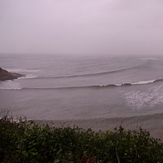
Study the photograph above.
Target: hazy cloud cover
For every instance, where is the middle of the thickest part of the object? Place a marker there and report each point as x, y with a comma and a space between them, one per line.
81, 27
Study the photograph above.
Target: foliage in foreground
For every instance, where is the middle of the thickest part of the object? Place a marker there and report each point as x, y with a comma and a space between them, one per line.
26, 142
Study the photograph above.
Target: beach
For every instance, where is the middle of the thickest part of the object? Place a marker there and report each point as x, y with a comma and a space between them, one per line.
152, 124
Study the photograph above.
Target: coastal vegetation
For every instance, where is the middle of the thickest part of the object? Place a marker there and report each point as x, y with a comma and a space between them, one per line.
27, 142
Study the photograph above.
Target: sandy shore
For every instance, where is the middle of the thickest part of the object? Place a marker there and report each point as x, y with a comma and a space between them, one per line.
154, 126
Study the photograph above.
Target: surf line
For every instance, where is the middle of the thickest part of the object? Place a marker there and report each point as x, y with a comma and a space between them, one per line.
98, 86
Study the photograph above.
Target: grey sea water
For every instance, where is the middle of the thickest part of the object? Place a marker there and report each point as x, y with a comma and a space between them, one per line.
60, 87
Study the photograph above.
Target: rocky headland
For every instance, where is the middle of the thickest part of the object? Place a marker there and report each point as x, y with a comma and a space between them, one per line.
5, 75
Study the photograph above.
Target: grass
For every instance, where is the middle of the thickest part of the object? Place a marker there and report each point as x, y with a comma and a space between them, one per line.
26, 142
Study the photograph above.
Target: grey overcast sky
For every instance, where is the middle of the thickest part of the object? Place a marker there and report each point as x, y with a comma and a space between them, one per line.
81, 26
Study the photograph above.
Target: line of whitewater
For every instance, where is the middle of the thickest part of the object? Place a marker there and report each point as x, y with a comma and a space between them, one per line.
86, 75
100, 86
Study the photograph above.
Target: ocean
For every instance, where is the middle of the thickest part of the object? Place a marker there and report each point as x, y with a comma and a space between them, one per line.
96, 91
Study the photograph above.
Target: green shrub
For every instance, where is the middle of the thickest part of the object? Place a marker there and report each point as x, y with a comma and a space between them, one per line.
25, 141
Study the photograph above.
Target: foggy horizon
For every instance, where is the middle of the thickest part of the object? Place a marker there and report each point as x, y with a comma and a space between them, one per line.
108, 27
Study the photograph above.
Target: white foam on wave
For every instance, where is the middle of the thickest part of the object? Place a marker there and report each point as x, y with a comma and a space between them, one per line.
10, 85
22, 70
143, 82
28, 76
118, 85
15, 84
131, 84
140, 99
28, 73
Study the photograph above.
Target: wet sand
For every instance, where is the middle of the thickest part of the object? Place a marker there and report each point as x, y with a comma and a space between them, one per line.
153, 125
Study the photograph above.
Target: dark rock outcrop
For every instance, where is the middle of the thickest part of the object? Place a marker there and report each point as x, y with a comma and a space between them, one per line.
5, 75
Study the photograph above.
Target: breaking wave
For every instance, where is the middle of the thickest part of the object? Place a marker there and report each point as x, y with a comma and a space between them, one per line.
14, 86
99, 86
23, 70
28, 73
87, 75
